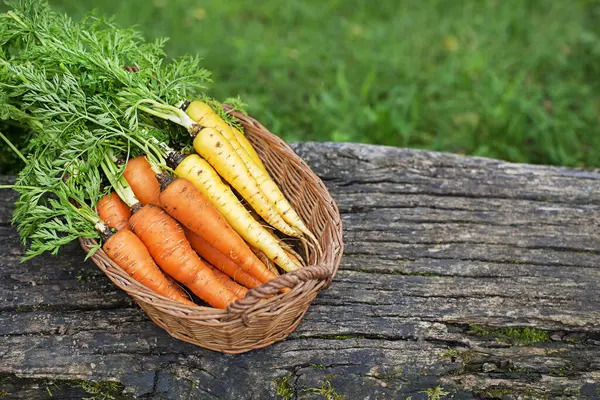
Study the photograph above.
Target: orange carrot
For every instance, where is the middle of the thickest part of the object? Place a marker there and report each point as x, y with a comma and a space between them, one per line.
204, 248
185, 203
128, 251
166, 242
233, 287
204, 178
113, 211
138, 173
221, 261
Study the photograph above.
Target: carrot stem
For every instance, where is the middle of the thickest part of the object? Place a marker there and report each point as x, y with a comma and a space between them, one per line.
119, 184
13, 147
170, 113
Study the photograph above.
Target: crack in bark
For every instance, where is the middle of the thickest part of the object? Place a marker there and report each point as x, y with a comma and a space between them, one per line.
441, 242
127, 305
436, 274
350, 252
417, 222
484, 196
460, 296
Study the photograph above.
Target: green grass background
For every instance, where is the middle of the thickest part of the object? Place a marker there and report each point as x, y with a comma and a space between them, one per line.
511, 79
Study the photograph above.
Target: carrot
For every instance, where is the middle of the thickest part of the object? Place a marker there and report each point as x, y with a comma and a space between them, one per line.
221, 261
203, 114
190, 207
221, 155
142, 179
233, 287
248, 147
113, 211
292, 254
128, 251
207, 251
206, 179
166, 242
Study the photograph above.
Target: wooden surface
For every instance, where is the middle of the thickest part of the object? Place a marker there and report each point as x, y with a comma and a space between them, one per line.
462, 277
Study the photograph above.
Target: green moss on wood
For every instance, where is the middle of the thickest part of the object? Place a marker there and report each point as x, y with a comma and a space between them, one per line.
436, 393
326, 390
450, 354
340, 337
86, 276
574, 392
100, 390
534, 394
284, 388
524, 335
464, 357
561, 372
478, 330
521, 336
512, 368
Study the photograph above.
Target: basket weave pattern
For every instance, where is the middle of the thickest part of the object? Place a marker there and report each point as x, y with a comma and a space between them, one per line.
265, 315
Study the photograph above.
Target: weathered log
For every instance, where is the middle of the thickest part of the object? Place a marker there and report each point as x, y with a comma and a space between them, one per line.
462, 276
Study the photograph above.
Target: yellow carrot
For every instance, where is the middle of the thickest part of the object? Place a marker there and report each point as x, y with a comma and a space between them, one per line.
286, 247
219, 153
248, 147
275, 197
206, 180
205, 116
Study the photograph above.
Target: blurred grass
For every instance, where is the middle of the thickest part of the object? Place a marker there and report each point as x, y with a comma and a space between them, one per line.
510, 79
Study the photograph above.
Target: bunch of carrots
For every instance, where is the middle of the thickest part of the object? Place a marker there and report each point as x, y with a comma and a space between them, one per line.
192, 227
101, 162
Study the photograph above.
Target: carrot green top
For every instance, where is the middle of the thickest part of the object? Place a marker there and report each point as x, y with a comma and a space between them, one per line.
77, 86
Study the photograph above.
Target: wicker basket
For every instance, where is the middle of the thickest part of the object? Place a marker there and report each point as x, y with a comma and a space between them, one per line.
253, 323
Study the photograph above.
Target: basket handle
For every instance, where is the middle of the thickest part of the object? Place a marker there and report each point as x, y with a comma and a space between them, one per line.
287, 280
